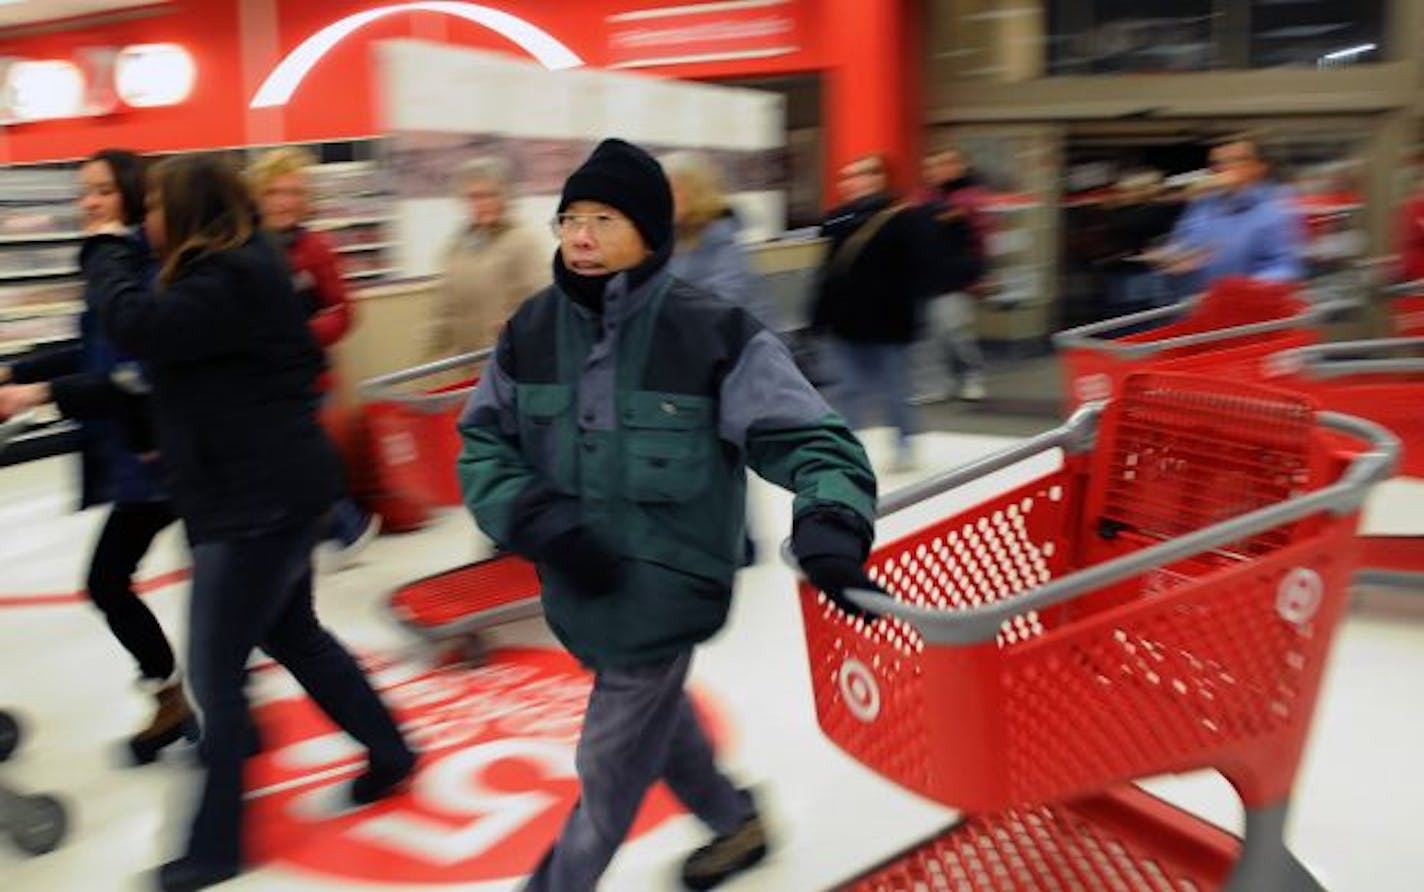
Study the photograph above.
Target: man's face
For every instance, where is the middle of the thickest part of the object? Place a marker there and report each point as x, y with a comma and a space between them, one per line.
597, 239
1236, 166
943, 167
860, 179
485, 200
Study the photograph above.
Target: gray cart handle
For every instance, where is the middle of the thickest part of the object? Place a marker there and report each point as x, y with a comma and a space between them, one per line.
13, 426
976, 625
1404, 289
1086, 337
1319, 361
384, 387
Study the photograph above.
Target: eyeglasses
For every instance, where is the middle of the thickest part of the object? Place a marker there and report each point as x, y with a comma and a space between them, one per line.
598, 224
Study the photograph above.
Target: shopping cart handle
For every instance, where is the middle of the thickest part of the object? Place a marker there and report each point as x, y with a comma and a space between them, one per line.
1320, 362
977, 625
380, 387
15, 425
1084, 337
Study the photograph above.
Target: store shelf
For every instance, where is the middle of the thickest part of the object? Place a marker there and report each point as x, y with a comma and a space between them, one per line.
370, 274
40, 311
369, 246
51, 273
348, 222
37, 238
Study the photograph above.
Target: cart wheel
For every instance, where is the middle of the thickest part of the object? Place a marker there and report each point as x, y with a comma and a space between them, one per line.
38, 824
9, 735
471, 649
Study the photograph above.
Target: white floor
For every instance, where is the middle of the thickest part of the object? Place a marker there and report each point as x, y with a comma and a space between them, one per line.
1356, 821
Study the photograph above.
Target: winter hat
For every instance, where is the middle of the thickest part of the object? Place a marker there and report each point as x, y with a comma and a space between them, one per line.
624, 176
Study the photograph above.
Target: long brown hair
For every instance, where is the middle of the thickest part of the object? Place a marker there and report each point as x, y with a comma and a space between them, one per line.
206, 208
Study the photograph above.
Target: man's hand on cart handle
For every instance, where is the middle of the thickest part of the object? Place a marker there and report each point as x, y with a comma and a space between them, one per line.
834, 575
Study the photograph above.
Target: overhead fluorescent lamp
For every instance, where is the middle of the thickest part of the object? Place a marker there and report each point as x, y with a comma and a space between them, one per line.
42, 91
1349, 51
151, 75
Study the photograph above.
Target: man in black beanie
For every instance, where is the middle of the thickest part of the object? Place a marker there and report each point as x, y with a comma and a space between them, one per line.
608, 442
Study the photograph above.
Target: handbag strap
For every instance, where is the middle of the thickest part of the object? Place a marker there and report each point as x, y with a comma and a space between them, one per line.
850, 249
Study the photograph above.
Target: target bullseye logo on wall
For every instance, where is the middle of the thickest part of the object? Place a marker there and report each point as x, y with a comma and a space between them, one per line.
496, 777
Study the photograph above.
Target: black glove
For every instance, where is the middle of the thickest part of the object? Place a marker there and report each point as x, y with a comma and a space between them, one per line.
578, 555
831, 545
833, 575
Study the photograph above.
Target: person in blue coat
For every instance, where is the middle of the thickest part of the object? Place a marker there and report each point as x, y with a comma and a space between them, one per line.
98, 386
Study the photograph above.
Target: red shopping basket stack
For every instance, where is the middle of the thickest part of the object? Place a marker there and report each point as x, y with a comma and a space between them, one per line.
1225, 332
1382, 380
414, 439
1162, 602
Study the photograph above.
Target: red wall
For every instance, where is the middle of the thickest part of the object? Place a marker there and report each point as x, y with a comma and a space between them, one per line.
867, 50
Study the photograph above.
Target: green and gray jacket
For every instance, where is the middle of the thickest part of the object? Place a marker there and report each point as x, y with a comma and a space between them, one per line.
639, 424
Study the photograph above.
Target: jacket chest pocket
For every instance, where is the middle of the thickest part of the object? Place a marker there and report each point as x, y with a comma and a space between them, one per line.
668, 444
542, 409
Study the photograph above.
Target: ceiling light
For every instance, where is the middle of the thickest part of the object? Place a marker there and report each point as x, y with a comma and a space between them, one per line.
149, 75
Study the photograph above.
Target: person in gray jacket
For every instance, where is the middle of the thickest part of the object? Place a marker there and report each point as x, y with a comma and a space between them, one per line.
708, 253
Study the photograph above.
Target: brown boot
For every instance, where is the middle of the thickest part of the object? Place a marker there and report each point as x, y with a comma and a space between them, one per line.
172, 720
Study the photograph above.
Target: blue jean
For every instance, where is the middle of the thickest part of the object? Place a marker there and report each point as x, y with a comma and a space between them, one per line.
869, 373
347, 522
640, 727
257, 592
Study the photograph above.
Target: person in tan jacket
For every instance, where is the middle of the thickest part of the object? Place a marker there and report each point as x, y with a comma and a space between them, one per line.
491, 267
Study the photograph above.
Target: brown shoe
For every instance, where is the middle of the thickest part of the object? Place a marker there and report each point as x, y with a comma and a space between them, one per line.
726, 856
172, 720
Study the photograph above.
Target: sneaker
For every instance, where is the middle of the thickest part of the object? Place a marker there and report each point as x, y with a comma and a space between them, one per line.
726, 856
379, 782
972, 390
929, 397
333, 557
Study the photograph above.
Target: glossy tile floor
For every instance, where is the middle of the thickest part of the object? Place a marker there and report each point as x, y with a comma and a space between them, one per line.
498, 741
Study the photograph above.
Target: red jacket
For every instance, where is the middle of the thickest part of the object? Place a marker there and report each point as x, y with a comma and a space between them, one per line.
316, 277
1411, 238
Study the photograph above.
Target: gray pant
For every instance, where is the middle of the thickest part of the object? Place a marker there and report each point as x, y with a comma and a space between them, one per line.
639, 728
949, 345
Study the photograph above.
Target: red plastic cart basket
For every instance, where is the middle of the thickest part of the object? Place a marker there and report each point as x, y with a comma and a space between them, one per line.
1383, 381
1162, 602
414, 439
1406, 309
453, 607
1225, 332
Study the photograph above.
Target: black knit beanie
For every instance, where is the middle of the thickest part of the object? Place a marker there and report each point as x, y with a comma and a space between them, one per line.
623, 176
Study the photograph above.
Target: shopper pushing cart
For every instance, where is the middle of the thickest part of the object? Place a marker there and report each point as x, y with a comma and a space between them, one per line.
608, 441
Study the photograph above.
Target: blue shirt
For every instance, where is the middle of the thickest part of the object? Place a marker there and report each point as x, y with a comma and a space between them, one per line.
1255, 232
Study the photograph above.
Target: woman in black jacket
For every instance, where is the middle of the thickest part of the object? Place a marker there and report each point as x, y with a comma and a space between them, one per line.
233, 366
104, 391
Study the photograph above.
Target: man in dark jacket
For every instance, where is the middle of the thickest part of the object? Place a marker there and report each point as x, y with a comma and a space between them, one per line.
608, 441
957, 204
877, 274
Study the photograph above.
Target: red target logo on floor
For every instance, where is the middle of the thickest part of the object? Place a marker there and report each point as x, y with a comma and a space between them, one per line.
495, 783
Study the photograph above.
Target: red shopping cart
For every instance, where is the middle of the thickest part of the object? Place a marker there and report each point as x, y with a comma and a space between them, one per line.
414, 439
1226, 332
1162, 601
1406, 308
1383, 381
451, 609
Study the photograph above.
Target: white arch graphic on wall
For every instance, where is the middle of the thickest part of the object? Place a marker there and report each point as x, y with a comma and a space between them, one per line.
279, 86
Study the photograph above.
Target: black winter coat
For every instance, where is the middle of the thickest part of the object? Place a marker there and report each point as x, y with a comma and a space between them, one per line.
876, 298
232, 366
